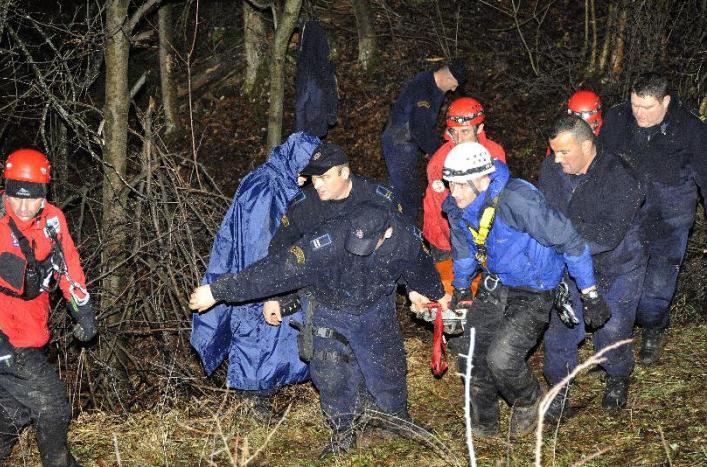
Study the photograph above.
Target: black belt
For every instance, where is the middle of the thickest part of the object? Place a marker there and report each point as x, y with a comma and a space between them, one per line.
331, 356
328, 333
491, 282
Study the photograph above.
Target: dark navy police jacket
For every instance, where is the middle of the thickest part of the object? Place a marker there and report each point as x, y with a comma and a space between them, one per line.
337, 279
317, 100
306, 213
603, 205
671, 157
413, 116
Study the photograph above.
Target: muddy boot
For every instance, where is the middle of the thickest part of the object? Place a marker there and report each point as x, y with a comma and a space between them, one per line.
615, 393
341, 442
484, 412
651, 345
524, 419
559, 408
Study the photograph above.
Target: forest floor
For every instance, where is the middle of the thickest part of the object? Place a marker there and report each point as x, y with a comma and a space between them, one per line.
664, 423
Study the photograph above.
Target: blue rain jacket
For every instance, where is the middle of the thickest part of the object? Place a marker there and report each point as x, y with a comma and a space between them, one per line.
528, 245
260, 356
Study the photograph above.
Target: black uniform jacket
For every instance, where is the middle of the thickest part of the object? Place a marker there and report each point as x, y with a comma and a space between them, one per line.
306, 212
603, 205
673, 152
338, 279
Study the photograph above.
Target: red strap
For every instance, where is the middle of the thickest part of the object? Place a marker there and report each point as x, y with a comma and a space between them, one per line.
439, 347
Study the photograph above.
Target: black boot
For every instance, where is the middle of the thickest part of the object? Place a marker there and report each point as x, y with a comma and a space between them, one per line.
615, 393
524, 419
484, 411
651, 345
559, 407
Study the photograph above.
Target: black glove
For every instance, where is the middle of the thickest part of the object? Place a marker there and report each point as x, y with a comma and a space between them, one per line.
458, 296
596, 311
7, 352
85, 318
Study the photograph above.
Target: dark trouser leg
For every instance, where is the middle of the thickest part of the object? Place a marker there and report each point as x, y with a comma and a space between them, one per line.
35, 385
485, 317
664, 259
13, 417
561, 342
378, 345
401, 161
525, 317
335, 374
621, 296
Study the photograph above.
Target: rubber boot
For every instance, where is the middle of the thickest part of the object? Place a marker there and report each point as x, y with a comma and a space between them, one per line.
524, 419
615, 393
559, 407
484, 412
651, 345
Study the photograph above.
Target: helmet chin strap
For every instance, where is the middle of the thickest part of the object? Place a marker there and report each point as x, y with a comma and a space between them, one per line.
473, 188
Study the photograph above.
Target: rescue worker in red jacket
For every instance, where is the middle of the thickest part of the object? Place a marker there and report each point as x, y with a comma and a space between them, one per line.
465, 124
36, 254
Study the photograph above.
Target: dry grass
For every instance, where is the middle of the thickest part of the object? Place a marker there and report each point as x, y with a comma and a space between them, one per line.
665, 423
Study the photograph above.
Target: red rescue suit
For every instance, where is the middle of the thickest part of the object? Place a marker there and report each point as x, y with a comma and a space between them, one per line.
435, 226
25, 321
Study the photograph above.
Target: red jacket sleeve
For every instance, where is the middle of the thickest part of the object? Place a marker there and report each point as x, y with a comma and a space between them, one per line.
435, 227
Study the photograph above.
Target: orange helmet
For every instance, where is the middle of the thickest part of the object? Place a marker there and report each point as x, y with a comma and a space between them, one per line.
587, 106
27, 165
465, 111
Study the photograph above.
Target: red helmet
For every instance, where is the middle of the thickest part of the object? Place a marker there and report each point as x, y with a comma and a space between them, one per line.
27, 165
587, 106
465, 111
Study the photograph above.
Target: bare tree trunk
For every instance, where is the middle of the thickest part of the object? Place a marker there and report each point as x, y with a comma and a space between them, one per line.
169, 90
585, 43
608, 39
595, 42
117, 103
286, 25
367, 46
115, 111
617, 57
255, 49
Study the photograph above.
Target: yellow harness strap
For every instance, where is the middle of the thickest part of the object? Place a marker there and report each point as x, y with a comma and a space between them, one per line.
480, 236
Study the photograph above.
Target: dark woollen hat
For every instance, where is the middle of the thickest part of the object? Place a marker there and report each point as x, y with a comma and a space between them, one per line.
326, 156
22, 189
458, 69
367, 224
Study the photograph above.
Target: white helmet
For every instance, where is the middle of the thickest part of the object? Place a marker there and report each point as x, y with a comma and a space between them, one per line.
467, 161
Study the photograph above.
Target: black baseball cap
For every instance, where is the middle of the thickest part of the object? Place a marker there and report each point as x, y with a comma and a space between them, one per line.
458, 69
367, 224
326, 156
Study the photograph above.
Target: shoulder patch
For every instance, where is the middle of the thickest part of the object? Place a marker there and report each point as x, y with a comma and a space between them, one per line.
384, 192
320, 242
298, 198
298, 253
285, 221
423, 104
